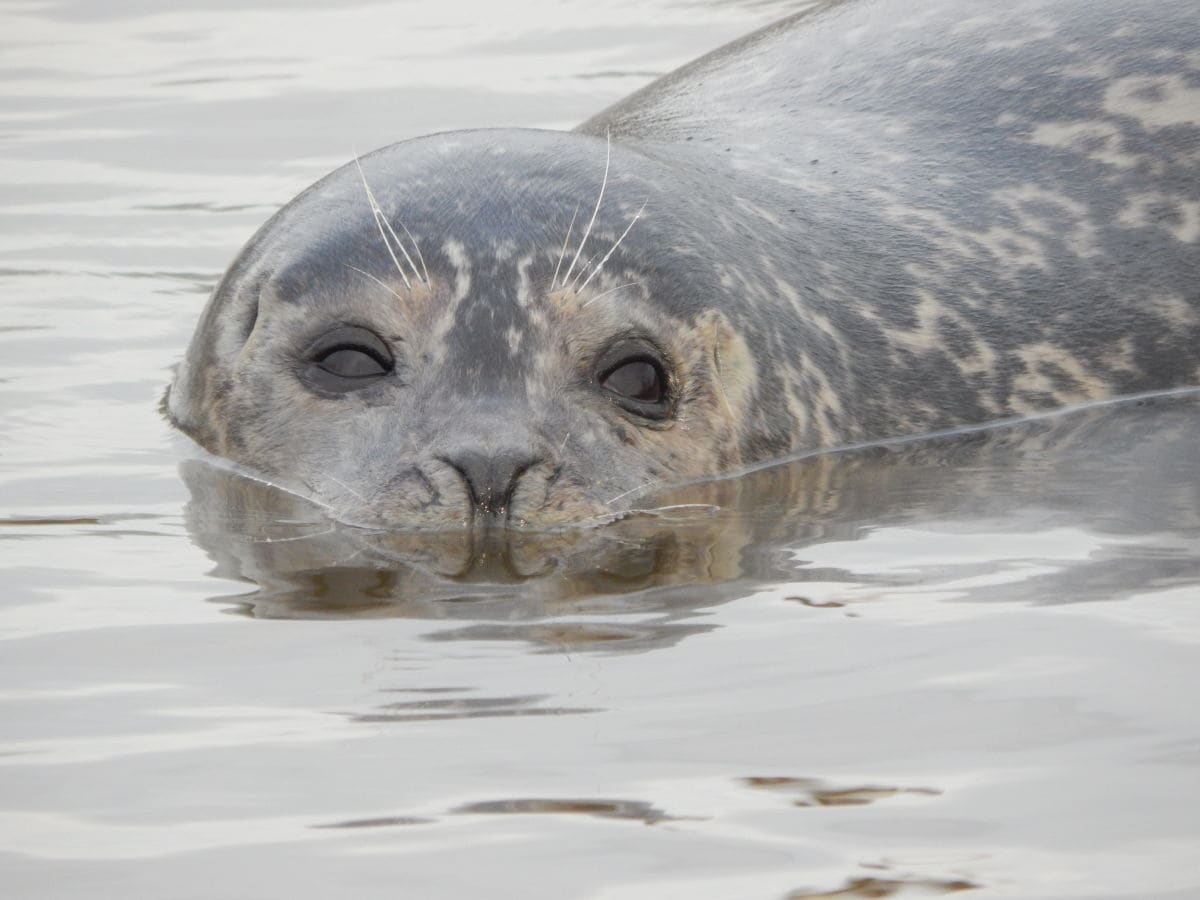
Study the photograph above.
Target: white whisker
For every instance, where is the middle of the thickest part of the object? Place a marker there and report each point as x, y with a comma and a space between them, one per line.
299, 537
381, 217
563, 251
383, 284
310, 497
630, 491
605, 519
381, 222
587, 262
592, 300
347, 487
563, 445
699, 507
596, 211
604, 259
341, 561
417, 247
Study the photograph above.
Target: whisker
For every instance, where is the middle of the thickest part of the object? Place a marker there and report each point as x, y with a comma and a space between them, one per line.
563, 251
596, 211
417, 247
604, 259
310, 497
347, 487
587, 263
630, 491
698, 507
563, 445
605, 519
341, 561
592, 300
383, 284
380, 222
299, 537
381, 217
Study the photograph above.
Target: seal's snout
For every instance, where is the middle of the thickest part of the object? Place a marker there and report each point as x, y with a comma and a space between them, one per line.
491, 478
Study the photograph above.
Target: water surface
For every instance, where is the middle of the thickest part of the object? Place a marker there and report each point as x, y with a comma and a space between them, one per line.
965, 665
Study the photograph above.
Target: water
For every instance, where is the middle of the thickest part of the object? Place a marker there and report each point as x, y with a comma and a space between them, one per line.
962, 665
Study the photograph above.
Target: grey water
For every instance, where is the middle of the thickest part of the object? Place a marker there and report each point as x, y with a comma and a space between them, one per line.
962, 665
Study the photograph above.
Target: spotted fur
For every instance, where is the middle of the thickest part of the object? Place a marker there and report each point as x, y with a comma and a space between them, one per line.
872, 219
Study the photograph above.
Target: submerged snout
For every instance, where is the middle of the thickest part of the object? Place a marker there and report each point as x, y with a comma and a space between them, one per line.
491, 476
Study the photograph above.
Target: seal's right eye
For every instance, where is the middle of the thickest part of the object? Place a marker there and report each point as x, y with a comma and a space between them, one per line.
346, 359
633, 374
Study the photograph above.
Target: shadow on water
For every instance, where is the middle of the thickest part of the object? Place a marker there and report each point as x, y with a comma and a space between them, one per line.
1127, 474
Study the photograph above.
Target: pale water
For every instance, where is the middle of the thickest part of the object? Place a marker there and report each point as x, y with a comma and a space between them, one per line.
964, 665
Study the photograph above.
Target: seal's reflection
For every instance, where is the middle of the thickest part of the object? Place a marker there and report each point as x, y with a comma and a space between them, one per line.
305, 565
1129, 469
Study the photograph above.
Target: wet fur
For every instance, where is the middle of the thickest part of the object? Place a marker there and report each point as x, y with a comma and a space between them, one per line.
872, 219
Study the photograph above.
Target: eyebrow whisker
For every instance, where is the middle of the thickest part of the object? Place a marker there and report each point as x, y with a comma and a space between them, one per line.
600, 199
381, 222
417, 247
383, 284
592, 300
612, 249
563, 251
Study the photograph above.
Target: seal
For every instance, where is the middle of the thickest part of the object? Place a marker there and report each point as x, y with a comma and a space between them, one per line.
1128, 469
868, 220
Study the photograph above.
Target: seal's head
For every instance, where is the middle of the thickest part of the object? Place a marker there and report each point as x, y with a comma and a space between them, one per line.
501, 327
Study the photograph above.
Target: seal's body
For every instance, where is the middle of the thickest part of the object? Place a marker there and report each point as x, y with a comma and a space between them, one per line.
863, 222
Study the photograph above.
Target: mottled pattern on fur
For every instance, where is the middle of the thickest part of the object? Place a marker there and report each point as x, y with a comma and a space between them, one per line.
876, 218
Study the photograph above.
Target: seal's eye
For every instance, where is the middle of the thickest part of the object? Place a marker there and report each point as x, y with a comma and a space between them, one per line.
351, 362
346, 359
639, 379
634, 376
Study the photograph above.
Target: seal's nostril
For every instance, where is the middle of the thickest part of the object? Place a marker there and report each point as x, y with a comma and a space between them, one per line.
491, 478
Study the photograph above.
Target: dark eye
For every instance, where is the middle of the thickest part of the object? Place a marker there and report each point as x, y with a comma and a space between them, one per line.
634, 377
351, 362
346, 358
639, 379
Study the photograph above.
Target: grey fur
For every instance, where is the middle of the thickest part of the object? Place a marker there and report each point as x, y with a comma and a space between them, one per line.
872, 219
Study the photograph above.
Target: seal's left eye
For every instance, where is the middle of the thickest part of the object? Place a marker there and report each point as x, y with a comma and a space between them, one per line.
351, 362
634, 377
636, 380
347, 358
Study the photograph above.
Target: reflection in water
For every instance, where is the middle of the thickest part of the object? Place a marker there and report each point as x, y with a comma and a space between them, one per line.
1127, 472
627, 810
380, 822
814, 792
604, 809
887, 887
464, 708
